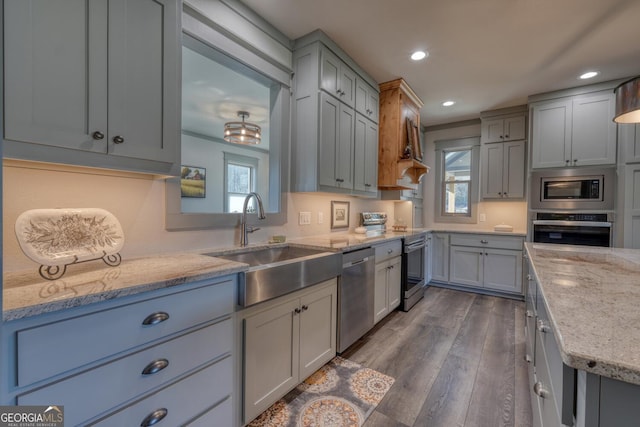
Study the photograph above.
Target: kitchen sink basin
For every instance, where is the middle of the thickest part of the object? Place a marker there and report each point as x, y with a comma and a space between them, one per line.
274, 272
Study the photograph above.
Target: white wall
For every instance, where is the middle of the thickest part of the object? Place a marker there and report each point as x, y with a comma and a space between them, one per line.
138, 203
513, 212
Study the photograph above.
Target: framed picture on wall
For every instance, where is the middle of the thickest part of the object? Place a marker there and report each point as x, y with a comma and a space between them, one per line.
339, 214
193, 181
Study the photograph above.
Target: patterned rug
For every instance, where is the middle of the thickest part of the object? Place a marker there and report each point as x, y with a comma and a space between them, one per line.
340, 394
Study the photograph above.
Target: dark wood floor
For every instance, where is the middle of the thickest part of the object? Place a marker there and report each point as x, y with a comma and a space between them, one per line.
457, 359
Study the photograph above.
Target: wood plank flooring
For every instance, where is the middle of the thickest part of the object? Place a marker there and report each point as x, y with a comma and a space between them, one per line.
457, 358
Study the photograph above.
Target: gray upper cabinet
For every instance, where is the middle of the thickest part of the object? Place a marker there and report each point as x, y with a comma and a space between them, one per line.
366, 155
367, 100
503, 170
336, 143
334, 131
93, 83
629, 134
337, 78
574, 131
501, 130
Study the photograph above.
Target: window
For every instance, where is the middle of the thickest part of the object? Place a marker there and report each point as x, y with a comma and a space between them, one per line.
457, 188
240, 180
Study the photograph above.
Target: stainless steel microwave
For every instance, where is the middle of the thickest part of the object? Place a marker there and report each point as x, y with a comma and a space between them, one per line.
573, 189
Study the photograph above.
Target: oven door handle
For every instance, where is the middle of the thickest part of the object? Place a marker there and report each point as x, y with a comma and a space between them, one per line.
414, 247
573, 223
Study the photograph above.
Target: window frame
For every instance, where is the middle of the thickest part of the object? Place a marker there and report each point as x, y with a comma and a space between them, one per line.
461, 144
239, 160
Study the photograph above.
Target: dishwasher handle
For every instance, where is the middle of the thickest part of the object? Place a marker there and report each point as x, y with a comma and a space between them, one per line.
356, 262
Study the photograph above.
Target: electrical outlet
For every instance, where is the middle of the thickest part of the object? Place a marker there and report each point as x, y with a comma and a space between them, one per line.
320, 217
483, 217
305, 218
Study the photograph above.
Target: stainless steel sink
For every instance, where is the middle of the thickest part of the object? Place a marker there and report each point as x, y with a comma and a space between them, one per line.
278, 271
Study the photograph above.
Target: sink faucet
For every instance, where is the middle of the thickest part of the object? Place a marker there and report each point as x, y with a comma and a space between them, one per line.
244, 229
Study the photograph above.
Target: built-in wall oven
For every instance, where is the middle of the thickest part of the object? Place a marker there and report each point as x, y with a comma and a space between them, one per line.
413, 270
589, 229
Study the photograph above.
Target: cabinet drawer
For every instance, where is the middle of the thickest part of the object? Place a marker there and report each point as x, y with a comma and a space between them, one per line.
97, 390
487, 241
54, 348
219, 415
191, 395
388, 250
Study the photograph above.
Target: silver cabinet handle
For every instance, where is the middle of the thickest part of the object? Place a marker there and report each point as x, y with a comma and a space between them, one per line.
155, 318
527, 358
566, 162
528, 277
297, 311
575, 161
118, 139
542, 327
339, 180
97, 135
539, 389
154, 418
305, 307
484, 241
390, 251
155, 367
529, 313
506, 136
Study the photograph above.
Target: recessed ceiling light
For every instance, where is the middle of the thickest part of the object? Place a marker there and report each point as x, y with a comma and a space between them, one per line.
448, 103
589, 75
418, 55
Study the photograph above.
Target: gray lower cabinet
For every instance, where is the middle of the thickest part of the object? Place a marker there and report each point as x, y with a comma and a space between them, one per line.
285, 341
440, 257
388, 278
564, 396
492, 262
166, 352
114, 63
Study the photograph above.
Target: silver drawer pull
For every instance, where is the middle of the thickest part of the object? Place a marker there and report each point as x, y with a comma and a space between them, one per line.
542, 327
155, 318
154, 418
484, 241
529, 313
527, 358
539, 389
155, 367
390, 251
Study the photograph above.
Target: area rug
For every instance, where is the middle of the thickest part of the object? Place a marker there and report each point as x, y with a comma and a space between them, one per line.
340, 394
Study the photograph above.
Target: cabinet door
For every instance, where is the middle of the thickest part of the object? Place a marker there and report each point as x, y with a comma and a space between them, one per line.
440, 257
428, 253
366, 155
513, 171
594, 131
380, 306
631, 224
630, 137
551, 134
317, 330
329, 138
271, 365
55, 53
142, 72
503, 270
367, 100
492, 170
347, 85
373, 105
394, 279
514, 128
466, 265
330, 72
493, 130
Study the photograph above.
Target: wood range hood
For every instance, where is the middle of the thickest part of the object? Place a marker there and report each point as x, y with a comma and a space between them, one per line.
399, 113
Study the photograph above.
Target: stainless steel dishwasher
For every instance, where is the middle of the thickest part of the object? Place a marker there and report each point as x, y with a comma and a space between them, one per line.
355, 296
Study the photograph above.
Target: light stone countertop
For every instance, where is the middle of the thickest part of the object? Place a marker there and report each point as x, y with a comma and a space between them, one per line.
27, 294
593, 297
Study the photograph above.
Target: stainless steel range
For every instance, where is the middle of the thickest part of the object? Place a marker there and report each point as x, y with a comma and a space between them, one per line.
413, 269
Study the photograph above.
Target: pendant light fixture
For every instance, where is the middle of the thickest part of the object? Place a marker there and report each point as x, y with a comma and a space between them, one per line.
242, 132
628, 101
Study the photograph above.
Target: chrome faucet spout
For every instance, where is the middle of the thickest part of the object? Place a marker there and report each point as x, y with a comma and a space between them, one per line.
244, 230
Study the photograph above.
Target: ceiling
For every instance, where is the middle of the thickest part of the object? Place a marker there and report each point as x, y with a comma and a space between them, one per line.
483, 54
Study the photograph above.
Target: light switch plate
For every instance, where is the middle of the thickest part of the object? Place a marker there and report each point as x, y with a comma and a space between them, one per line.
320, 217
305, 218
483, 217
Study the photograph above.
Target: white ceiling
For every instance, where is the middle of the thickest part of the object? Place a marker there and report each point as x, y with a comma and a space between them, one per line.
483, 54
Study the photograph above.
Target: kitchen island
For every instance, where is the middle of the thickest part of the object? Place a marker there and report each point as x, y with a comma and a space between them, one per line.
583, 339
